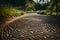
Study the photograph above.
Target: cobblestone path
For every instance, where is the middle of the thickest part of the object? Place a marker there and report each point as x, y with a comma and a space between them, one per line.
34, 27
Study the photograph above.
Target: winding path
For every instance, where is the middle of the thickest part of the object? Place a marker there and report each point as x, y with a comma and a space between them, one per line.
33, 27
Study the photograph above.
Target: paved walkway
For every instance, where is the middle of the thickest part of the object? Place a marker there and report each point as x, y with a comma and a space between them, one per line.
33, 27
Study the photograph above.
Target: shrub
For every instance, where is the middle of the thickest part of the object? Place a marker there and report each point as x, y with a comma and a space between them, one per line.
6, 11
10, 11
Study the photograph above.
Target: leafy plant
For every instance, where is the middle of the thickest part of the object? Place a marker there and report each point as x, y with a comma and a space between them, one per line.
10, 11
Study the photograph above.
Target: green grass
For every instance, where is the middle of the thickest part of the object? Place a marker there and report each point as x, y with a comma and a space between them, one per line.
45, 12
10, 11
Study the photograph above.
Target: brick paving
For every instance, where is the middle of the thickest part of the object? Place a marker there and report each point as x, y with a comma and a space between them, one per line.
33, 27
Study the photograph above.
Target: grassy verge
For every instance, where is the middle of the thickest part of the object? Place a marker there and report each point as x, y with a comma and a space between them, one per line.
10, 11
45, 12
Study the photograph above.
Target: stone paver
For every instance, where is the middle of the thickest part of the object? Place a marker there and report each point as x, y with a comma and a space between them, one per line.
34, 27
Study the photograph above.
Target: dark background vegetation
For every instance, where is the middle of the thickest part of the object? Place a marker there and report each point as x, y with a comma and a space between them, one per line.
29, 5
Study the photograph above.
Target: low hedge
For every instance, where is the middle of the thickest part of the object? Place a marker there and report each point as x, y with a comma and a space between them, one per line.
10, 11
